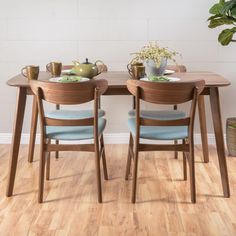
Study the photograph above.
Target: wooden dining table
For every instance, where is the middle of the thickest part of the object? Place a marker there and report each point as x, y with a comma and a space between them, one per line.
117, 86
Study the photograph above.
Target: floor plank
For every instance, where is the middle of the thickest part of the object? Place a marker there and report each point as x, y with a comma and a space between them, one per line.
163, 201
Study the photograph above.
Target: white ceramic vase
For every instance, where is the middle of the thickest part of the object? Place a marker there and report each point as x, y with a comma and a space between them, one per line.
152, 69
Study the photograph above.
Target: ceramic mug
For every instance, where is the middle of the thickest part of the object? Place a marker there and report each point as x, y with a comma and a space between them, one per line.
136, 70
54, 68
130, 65
30, 72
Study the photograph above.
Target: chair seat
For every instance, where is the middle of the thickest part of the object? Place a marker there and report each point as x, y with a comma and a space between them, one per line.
73, 114
160, 114
159, 132
74, 132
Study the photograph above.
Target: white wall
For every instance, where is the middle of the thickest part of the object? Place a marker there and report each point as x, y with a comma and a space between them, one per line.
37, 32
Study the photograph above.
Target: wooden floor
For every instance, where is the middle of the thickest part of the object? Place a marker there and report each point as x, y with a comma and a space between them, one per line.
163, 204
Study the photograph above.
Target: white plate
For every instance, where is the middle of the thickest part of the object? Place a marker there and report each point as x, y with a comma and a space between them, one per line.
57, 79
171, 79
169, 72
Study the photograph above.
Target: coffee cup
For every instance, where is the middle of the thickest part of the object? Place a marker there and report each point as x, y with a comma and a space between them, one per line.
136, 70
54, 68
31, 72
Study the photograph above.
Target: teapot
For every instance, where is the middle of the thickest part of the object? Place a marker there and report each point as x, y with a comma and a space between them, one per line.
87, 69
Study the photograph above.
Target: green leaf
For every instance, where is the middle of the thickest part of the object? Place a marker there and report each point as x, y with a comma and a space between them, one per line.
233, 29
225, 37
221, 21
216, 9
214, 17
233, 12
228, 6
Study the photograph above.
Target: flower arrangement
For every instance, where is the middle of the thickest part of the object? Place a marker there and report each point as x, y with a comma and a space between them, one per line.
154, 52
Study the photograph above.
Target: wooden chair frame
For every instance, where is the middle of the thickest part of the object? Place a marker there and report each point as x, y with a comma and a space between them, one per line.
157, 93
60, 94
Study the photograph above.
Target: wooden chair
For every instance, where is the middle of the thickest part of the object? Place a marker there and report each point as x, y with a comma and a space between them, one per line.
161, 129
34, 120
69, 127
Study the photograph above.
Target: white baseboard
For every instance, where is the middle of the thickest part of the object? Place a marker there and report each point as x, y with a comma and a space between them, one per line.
109, 138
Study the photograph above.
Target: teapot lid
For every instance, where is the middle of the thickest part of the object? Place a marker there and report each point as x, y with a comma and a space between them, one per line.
86, 61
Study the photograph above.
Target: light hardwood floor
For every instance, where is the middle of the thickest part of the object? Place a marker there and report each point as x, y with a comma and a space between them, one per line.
163, 199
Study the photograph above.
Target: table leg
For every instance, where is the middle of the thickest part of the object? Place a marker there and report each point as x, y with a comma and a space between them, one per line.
217, 122
203, 127
33, 130
19, 116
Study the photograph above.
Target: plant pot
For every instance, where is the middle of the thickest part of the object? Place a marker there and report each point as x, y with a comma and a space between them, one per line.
152, 69
231, 136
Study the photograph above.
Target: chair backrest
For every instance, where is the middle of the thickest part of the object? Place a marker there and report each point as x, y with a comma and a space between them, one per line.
177, 68
68, 94
166, 93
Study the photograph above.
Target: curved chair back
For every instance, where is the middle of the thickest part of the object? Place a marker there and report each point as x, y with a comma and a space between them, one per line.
68, 93
165, 92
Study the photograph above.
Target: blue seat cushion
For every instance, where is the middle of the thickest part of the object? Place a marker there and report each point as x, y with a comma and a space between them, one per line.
160, 114
73, 114
159, 132
74, 132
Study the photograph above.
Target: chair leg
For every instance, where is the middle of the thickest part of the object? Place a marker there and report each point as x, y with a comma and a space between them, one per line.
176, 153
184, 163
57, 153
48, 160
135, 173
104, 158
41, 174
128, 164
98, 172
48, 164
192, 173
34, 120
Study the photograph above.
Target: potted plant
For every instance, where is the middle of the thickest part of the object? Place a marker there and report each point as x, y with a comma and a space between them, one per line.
154, 58
224, 13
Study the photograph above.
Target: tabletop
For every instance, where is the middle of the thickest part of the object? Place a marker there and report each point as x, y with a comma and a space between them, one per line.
117, 79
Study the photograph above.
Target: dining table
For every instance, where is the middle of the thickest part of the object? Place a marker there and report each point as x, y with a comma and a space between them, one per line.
117, 86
